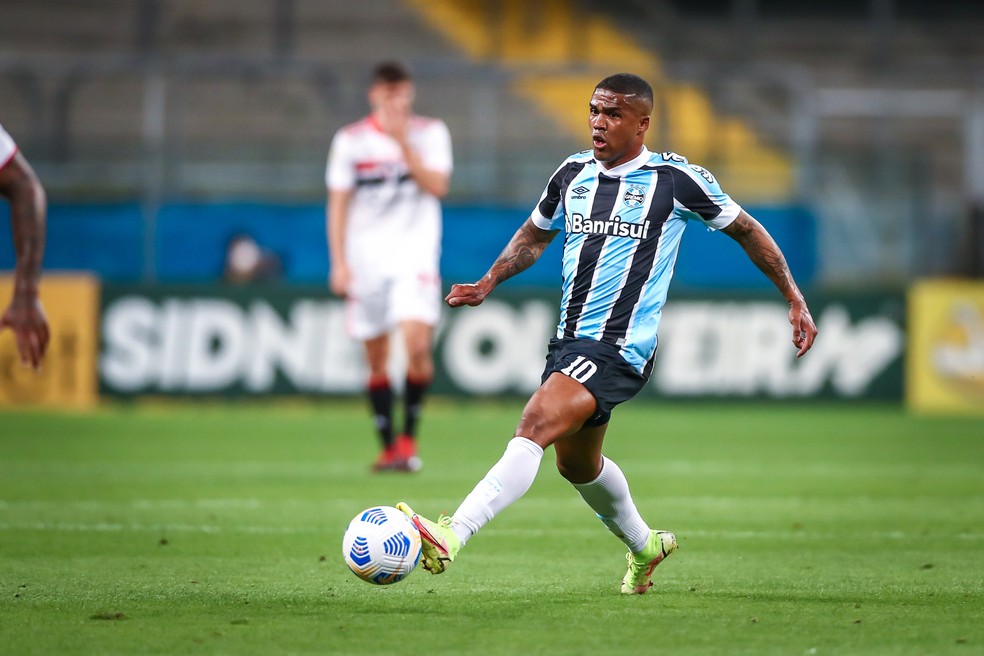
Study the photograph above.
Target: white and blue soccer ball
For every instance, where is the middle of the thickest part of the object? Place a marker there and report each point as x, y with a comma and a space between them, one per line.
381, 545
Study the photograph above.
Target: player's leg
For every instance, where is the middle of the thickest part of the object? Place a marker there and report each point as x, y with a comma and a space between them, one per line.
419, 337
368, 319
415, 304
380, 394
605, 489
601, 484
557, 409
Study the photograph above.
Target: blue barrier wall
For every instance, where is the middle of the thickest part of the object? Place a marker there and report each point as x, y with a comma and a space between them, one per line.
191, 240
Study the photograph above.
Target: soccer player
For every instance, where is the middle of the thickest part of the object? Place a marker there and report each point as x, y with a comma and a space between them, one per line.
386, 175
25, 315
624, 210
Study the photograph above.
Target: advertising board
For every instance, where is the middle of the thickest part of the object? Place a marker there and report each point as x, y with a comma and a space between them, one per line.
290, 340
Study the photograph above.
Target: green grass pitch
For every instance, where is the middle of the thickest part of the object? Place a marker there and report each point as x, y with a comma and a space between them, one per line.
199, 528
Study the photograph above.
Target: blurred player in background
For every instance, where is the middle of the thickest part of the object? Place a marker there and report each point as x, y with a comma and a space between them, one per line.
624, 210
25, 315
386, 175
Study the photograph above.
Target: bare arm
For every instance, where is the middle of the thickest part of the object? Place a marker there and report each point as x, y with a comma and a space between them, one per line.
28, 209
764, 252
337, 220
433, 182
520, 253
393, 115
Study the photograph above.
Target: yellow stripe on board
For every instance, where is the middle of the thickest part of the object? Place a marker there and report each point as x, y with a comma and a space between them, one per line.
68, 373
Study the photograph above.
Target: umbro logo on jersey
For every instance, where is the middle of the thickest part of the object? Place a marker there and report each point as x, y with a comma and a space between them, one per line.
576, 223
581, 190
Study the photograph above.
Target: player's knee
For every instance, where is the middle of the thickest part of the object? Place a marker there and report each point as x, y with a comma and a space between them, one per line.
542, 427
420, 357
578, 471
420, 368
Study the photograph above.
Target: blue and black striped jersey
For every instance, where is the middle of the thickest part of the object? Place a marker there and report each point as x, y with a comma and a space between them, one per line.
623, 229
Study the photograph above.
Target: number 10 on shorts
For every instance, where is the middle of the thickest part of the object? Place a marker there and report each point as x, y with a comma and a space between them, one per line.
581, 369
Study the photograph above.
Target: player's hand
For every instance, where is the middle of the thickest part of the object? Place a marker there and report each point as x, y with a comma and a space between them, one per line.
804, 329
26, 318
470, 294
393, 114
340, 279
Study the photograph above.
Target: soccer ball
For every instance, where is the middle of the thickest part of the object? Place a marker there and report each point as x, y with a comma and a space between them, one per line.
381, 545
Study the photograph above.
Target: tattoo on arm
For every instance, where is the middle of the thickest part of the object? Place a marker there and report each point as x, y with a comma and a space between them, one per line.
764, 252
521, 252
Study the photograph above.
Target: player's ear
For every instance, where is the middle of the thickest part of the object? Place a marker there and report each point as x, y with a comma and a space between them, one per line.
643, 125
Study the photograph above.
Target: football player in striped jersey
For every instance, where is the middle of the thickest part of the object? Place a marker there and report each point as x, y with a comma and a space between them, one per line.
623, 209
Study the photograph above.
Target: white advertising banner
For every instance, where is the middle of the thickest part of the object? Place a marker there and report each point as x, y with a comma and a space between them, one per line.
286, 341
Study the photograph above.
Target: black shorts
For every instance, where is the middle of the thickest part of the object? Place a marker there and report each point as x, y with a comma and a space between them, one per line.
599, 367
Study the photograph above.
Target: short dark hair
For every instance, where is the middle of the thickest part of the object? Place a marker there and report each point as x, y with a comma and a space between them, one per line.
390, 72
627, 84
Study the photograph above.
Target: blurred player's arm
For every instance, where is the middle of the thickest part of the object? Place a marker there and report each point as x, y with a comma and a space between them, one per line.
764, 252
520, 253
337, 224
435, 183
393, 114
28, 209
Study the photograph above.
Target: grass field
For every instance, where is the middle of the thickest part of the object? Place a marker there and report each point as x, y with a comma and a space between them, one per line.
203, 528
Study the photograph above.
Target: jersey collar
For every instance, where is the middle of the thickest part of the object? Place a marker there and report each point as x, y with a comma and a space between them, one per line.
626, 167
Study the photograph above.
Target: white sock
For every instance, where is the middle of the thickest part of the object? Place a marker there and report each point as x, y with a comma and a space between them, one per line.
507, 481
608, 495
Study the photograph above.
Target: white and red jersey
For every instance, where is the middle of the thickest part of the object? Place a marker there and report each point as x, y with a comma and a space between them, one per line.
7, 148
393, 225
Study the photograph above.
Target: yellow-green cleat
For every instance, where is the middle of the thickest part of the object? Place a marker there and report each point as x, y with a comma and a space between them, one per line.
438, 543
638, 579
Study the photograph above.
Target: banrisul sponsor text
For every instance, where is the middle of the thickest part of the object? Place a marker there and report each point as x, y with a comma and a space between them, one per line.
576, 223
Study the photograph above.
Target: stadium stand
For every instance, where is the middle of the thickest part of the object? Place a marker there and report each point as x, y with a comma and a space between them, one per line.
556, 51
861, 111
229, 68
